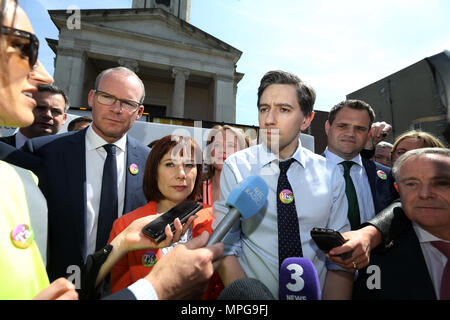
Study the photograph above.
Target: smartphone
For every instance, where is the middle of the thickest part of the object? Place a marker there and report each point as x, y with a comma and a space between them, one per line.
183, 210
327, 239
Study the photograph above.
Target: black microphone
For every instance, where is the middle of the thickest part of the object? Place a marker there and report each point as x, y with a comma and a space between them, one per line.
246, 199
246, 289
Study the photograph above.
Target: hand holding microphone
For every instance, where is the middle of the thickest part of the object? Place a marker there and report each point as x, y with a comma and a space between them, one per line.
245, 200
299, 280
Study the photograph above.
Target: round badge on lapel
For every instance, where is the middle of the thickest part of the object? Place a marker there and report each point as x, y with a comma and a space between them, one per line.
149, 259
22, 236
382, 174
286, 196
134, 169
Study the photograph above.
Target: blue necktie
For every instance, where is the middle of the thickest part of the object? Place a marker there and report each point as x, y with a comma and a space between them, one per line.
289, 243
108, 198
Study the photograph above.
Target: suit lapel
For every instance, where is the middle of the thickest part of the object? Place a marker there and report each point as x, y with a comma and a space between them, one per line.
410, 256
131, 183
76, 174
371, 172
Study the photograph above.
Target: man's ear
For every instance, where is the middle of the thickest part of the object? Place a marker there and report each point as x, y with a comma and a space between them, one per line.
140, 112
396, 186
327, 127
91, 98
307, 121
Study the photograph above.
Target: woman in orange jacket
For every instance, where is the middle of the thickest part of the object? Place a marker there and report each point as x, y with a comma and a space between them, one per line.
172, 175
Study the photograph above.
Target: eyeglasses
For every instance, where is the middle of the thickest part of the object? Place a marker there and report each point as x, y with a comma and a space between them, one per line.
109, 100
27, 49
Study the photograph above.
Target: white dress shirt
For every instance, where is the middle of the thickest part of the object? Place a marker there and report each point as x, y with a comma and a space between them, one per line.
361, 182
95, 159
319, 192
435, 260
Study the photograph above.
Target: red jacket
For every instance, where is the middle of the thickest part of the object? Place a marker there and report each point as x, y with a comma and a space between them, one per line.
137, 264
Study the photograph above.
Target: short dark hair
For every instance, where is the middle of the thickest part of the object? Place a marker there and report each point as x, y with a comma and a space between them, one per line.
353, 104
55, 90
306, 96
71, 125
159, 149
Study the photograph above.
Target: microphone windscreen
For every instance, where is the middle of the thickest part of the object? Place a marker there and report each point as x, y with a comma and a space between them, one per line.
246, 289
249, 196
299, 280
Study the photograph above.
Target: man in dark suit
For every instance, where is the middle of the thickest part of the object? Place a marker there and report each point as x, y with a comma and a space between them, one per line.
347, 128
50, 115
74, 168
418, 264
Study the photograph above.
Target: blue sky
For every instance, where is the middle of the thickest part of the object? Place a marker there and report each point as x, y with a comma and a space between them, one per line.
336, 46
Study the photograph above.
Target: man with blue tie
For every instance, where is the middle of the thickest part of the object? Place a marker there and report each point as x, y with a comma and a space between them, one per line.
369, 185
93, 175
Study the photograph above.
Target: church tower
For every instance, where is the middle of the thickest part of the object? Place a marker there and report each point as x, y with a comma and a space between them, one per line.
179, 8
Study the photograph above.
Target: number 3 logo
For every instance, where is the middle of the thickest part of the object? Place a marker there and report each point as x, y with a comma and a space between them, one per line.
298, 284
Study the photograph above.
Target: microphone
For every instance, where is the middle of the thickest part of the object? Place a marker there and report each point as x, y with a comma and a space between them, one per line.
245, 200
299, 280
246, 289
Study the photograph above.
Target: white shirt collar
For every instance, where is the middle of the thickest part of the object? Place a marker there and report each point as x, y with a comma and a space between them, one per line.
336, 159
94, 141
423, 235
267, 156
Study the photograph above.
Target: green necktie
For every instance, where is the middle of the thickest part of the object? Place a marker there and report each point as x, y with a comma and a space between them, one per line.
350, 192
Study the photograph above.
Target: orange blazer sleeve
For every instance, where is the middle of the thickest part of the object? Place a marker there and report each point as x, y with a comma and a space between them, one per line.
120, 273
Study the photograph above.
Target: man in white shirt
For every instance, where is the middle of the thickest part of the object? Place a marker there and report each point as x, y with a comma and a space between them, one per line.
74, 165
417, 266
348, 128
285, 105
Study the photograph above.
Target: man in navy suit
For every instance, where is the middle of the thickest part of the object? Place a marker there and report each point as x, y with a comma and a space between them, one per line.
347, 128
417, 266
74, 167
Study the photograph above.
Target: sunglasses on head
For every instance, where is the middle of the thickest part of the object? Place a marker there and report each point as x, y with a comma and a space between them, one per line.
28, 49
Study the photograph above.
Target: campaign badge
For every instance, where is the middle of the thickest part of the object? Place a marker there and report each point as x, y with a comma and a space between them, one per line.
286, 196
134, 169
149, 259
382, 174
22, 236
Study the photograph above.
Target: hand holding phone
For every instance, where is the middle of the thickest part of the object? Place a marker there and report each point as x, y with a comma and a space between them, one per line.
327, 239
183, 210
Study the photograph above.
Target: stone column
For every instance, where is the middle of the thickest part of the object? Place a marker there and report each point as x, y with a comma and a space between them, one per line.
69, 73
180, 76
224, 102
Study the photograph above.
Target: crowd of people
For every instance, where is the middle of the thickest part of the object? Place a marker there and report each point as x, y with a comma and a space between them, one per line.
79, 200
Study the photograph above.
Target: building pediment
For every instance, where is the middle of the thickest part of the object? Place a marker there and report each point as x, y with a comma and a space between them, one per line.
151, 25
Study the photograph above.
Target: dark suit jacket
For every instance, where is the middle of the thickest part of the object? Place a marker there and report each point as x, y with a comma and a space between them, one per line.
383, 190
11, 140
403, 272
65, 167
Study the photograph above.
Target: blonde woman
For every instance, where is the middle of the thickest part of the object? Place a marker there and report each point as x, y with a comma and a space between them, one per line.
222, 142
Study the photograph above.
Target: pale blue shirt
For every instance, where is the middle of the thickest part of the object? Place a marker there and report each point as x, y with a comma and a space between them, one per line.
361, 182
319, 192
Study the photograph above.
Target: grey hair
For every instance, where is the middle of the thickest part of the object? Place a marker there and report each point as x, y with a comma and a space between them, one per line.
417, 153
384, 144
123, 70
